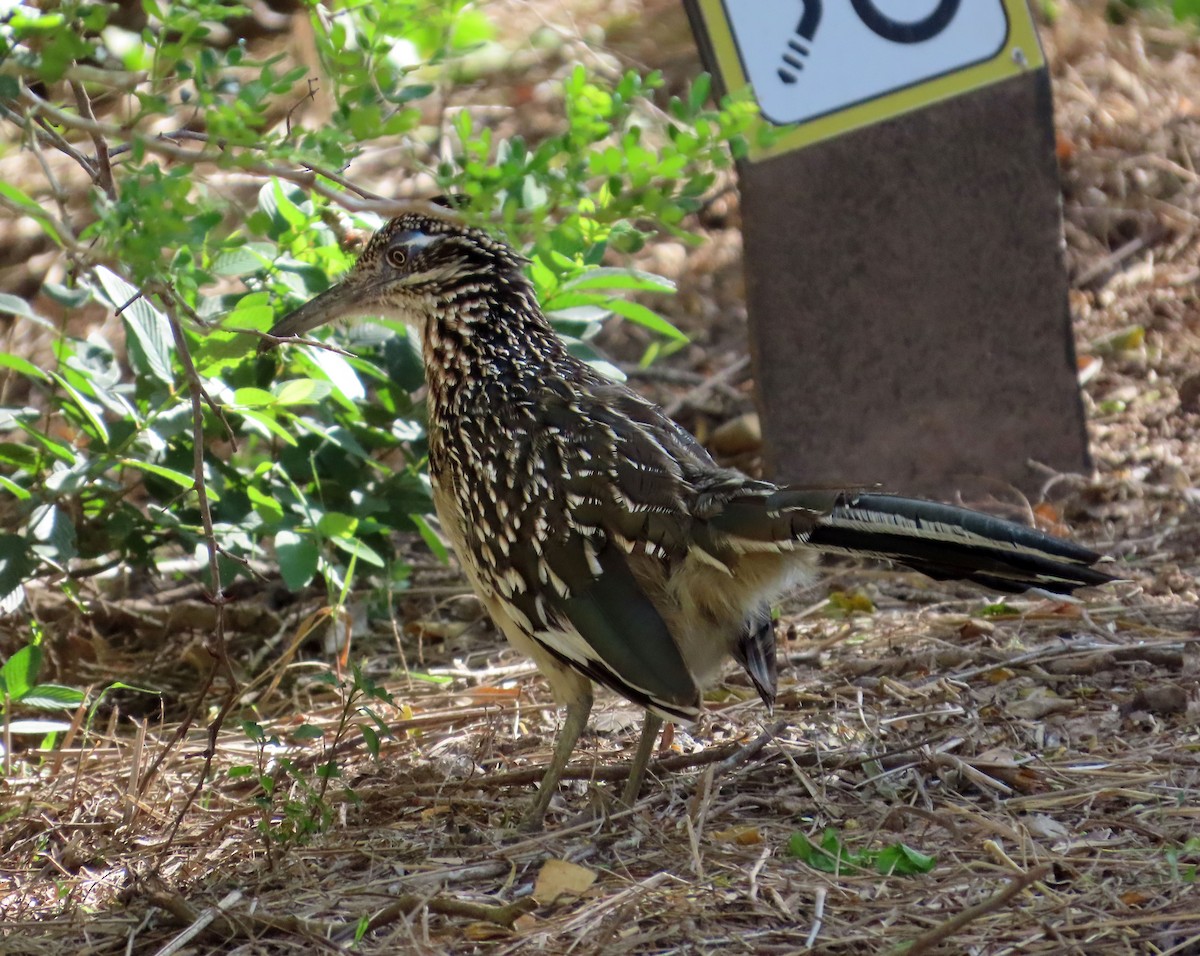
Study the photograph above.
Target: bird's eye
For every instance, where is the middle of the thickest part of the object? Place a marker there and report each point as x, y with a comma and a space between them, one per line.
397, 256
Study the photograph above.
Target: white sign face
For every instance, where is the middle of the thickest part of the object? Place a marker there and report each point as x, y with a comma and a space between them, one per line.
807, 58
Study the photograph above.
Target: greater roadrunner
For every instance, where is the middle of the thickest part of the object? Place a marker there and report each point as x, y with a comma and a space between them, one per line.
604, 541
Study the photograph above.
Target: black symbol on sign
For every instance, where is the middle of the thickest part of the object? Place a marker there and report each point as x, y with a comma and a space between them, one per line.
906, 31
798, 45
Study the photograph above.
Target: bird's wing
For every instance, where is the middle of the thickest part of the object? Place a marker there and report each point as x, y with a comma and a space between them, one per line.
726, 512
580, 491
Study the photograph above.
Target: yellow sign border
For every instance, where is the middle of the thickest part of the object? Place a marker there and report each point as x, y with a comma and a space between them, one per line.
1021, 52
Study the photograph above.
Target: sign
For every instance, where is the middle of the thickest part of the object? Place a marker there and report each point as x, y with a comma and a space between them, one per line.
907, 298
824, 67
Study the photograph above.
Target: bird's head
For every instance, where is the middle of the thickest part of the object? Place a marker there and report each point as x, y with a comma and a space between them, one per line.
420, 264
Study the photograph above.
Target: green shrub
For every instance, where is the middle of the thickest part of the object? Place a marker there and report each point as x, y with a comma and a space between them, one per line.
179, 439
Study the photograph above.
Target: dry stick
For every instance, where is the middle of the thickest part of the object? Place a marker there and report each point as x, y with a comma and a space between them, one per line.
970, 914
718, 378
1098, 273
76, 73
752, 749
310, 178
45, 131
198, 925
218, 921
613, 772
727, 757
730, 757
448, 906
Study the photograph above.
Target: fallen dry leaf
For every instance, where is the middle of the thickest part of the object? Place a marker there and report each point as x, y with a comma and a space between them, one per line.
1040, 702
742, 836
559, 878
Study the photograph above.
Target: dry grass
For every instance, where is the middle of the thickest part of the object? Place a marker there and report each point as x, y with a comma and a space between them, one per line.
1048, 757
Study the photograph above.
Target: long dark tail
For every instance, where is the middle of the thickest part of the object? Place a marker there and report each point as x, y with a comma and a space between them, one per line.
947, 542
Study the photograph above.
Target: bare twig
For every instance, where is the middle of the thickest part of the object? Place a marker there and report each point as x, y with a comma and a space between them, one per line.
311, 177
727, 757
102, 173
504, 915
718, 378
951, 926
219, 921
76, 73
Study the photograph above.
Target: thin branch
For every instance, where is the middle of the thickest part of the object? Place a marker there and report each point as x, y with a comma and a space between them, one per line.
198, 397
168, 296
951, 926
102, 175
269, 341
62, 233
48, 133
218, 645
308, 178
346, 183
219, 921
76, 73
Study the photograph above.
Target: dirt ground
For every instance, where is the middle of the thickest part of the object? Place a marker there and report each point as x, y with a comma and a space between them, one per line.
1045, 755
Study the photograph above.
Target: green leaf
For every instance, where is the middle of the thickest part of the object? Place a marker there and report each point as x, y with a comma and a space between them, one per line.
15, 305
269, 423
334, 524
829, 857
370, 738
150, 341
252, 257
16, 196
14, 489
270, 510
432, 541
903, 860
52, 526
301, 391
38, 728
292, 214
19, 673
545, 279
638, 313
71, 297
16, 563
254, 731
339, 372
251, 397
93, 415
307, 732
53, 697
182, 479
57, 449
471, 28
298, 558
18, 364
614, 278
32, 208
358, 549
21, 456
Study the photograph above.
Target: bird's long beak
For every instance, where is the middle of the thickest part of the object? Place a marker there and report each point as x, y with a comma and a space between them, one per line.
336, 302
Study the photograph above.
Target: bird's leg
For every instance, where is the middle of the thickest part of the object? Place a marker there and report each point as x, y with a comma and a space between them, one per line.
637, 770
576, 719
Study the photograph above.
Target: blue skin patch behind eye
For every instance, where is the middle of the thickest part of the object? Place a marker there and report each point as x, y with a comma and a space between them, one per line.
414, 239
